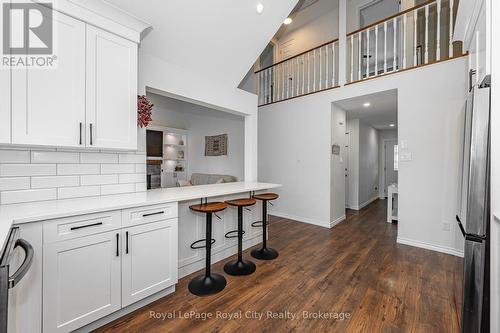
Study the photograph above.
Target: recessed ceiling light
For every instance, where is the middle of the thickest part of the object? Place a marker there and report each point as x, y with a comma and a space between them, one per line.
287, 21
392, 125
367, 104
259, 8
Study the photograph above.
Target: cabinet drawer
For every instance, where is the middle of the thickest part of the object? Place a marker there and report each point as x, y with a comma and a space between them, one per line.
78, 226
147, 214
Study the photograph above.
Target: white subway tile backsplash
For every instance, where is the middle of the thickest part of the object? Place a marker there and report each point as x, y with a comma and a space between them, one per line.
14, 156
28, 175
78, 169
16, 183
54, 181
99, 179
116, 189
132, 158
98, 158
78, 192
117, 168
132, 178
11, 197
140, 168
54, 157
12, 170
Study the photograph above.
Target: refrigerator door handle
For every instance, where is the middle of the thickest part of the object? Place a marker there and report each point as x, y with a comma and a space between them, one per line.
470, 237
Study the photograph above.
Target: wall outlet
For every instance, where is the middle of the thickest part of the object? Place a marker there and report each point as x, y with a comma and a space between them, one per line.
446, 226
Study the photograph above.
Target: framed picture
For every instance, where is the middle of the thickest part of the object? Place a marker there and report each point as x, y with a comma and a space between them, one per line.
216, 145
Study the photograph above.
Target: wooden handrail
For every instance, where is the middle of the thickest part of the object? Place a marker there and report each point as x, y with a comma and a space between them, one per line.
298, 55
391, 17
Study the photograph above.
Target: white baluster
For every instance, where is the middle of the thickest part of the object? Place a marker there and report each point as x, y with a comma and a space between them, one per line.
385, 47
404, 41
415, 15
359, 57
333, 64
303, 73
297, 74
352, 58
327, 65
376, 50
438, 36
426, 34
308, 72
320, 70
314, 70
394, 25
368, 53
450, 46
259, 86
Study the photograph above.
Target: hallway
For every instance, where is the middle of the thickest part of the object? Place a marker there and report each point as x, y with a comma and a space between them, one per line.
355, 273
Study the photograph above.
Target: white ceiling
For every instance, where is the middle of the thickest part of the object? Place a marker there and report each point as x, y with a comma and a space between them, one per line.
383, 109
220, 39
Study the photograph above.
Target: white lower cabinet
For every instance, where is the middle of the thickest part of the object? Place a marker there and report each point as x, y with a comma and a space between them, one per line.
95, 274
81, 281
149, 261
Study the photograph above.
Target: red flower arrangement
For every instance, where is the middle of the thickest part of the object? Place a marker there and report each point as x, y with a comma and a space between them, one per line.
144, 111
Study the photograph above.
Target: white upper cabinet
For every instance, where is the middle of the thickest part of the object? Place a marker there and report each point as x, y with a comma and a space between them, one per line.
111, 91
48, 104
4, 105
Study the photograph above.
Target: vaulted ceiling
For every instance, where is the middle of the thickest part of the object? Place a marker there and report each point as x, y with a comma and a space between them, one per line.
219, 39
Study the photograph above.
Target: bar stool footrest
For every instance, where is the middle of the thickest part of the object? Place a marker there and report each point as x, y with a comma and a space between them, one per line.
258, 224
228, 234
195, 247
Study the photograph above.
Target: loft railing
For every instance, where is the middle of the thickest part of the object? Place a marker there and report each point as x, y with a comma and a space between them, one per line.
415, 37
306, 73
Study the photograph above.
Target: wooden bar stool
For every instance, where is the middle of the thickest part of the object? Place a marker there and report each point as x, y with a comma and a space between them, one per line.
265, 253
208, 283
240, 266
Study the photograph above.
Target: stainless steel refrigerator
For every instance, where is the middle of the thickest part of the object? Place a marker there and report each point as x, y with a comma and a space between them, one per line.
474, 210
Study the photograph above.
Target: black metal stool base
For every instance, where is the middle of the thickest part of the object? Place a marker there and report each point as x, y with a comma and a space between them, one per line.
243, 267
203, 285
265, 253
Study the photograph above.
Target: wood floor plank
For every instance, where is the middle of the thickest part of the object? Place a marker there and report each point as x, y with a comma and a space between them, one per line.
355, 270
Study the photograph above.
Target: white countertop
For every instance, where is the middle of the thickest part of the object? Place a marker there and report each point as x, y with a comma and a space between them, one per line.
46, 210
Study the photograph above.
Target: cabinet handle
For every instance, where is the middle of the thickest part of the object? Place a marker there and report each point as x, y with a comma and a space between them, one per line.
117, 245
151, 214
86, 226
81, 125
126, 242
91, 141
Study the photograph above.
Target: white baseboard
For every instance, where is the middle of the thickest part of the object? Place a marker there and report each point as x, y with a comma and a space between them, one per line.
366, 203
429, 246
337, 221
325, 224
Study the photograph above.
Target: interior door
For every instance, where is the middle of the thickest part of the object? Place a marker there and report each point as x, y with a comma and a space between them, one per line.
111, 91
144, 272
48, 104
346, 167
391, 175
81, 281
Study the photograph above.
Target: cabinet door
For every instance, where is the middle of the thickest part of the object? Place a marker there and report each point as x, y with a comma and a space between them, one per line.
81, 281
150, 264
48, 104
111, 90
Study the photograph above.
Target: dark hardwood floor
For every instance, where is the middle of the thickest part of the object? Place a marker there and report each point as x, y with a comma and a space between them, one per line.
355, 270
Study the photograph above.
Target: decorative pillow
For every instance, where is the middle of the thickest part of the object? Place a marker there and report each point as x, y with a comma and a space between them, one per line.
182, 183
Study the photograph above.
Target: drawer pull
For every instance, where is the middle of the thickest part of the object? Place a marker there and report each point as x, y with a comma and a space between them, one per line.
151, 214
86, 226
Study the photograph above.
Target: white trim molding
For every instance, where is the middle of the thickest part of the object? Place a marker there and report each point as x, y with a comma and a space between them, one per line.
337, 221
430, 246
302, 219
364, 204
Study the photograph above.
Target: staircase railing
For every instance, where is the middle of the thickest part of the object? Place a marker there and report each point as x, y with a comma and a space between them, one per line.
417, 36
306, 73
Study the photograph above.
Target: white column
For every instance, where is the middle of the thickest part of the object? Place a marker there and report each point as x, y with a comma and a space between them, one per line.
342, 41
251, 144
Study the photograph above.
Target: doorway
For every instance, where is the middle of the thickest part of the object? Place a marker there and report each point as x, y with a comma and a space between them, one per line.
390, 173
346, 167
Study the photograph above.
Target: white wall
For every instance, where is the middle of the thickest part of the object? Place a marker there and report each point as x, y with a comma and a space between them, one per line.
368, 164
337, 163
382, 10
383, 135
200, 122
315, 25
430, 101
